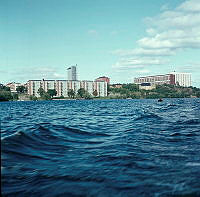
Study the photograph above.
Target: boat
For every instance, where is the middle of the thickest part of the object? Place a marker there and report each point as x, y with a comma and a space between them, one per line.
160, 100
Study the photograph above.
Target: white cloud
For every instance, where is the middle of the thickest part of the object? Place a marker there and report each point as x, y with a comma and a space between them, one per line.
134, 63
190, 6
92, 32
36, 73
144, 52
143, 71
168, 33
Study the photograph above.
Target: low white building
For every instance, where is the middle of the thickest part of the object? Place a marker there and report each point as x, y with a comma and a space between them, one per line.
13, 86
63, 86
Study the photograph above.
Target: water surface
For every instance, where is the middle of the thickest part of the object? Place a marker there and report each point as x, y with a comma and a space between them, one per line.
101, 148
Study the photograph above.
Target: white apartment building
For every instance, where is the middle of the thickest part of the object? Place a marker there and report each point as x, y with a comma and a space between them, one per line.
174, 78
182, 79
63, 86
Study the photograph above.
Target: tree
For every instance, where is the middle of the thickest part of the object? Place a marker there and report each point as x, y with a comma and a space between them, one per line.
81, 92
71, 93
87, 95
20, 89
15, 96
4, 88
46, 96
41, 91
33, 98
5, 95
52, 92
95, 93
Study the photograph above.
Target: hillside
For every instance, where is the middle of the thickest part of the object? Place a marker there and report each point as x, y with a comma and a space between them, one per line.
161, 91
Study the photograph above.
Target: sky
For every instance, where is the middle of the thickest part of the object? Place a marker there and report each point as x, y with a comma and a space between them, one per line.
114, 38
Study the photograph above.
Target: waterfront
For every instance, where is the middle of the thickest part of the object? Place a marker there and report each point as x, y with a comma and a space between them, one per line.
101, 147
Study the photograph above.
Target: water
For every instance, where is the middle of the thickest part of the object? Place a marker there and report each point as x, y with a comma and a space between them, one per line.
101, 148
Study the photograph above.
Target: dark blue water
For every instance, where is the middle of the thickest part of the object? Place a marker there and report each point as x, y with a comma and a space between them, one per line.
101, 148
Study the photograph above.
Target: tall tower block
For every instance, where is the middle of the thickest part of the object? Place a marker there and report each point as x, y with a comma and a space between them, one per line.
71, 73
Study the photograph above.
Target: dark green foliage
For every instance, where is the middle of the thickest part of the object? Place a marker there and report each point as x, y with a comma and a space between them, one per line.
52, 92
41, 91
4, 88
21, 89
161, 91
5, 95
15, 96
33, 98
45, 96
81, 92
71, 93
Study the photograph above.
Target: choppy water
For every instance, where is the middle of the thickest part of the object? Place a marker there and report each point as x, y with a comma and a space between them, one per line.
101, 148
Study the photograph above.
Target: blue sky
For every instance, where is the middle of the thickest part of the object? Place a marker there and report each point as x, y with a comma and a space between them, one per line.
118, 39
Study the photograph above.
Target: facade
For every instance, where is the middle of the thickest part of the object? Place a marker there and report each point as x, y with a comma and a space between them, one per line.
117, 85
147, 86
13, 86
174, 78
182, 79
63, 86
157, 79
106, 79
72, 75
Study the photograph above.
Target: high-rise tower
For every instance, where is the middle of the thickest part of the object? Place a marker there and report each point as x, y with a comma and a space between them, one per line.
71, 71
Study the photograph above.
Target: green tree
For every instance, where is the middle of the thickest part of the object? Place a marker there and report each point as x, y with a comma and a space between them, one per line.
46, 96
4, 88
15, 96
20, 89
33, 98
81, 92
5, 95
52, 92
71, 93
87, 95
41, 92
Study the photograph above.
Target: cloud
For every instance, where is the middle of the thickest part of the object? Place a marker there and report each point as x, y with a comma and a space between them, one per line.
142, 71
23, 75
134, 63
190, 6
168, 33
144, 52
92, 32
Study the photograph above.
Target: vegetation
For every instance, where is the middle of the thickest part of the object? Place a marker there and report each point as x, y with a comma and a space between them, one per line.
161, 91
71, 93
126, 91
33, 98
5, 95
82, 93
52, 92
21, 89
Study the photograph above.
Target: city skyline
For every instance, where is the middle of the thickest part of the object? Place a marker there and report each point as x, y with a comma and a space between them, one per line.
120, 40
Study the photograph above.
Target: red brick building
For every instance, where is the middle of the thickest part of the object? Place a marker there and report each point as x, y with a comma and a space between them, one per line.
106, 79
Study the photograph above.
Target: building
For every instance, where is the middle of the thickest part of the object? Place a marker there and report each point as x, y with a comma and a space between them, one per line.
13, 86
72, 74
106, 79
147, 86
174, 78
63, 86
182, 79
117, 85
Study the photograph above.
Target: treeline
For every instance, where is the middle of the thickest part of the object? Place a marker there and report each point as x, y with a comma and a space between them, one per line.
7, 95
161, 91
